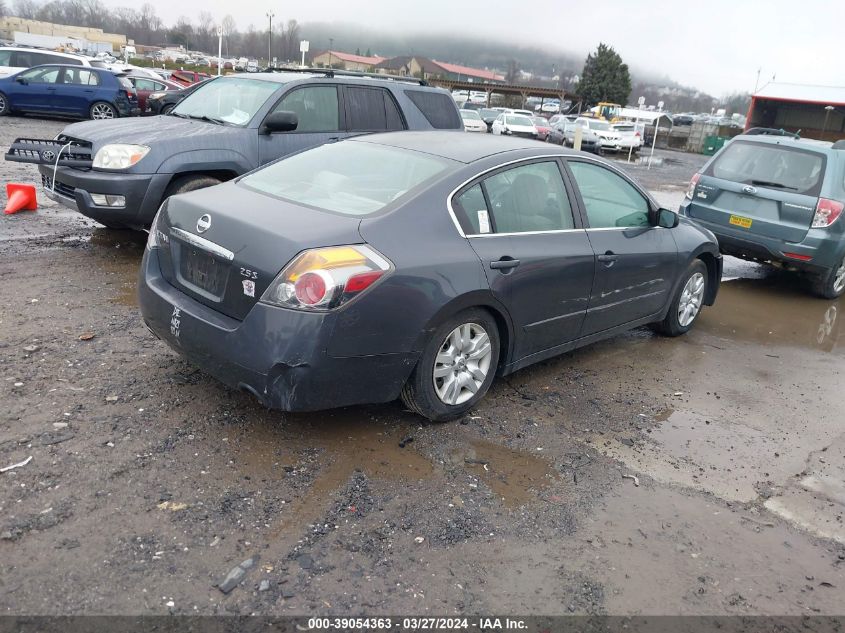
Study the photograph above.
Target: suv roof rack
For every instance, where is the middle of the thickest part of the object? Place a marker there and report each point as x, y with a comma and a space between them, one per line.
770, 131
334, 72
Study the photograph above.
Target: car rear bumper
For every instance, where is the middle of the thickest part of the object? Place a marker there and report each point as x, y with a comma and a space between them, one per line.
276, 354
823, 249
73, 189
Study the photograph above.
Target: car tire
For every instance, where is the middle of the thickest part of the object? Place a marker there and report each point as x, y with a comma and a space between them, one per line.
689, 296
5, 108
430, 385
830, 285
166, 109
190, 183
102, 110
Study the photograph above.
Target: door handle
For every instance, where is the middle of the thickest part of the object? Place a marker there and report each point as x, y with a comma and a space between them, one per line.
608, 258
504, 264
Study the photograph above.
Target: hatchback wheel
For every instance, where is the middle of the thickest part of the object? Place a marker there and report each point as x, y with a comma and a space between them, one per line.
103, 110
4, 105
456, 368
687, 302
831, 284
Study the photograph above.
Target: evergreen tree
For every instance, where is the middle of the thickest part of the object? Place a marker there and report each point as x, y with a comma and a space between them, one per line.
605, 77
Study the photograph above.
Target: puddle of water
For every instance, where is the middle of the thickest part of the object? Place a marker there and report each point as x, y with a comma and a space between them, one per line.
121, 253
776, 310
515, 476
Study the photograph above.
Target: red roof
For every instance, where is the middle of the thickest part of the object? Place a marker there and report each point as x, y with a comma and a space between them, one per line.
487, 75
356, 59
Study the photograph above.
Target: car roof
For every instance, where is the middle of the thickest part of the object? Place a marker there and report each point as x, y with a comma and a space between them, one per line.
459, 146
806, 143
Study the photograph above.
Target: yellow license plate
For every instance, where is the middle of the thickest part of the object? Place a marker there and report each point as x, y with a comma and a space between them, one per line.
738, 220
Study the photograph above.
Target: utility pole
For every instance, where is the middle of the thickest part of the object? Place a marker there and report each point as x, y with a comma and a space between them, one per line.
270, 15
827, 111
331, 46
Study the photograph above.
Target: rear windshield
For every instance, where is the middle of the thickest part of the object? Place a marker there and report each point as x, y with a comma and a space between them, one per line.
772, 166
351, 178
439, 109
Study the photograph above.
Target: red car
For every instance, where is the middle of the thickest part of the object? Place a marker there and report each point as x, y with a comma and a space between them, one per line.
145, 86
544, 128
187, 77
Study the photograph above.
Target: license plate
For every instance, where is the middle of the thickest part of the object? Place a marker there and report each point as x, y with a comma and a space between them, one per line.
738, 220
203, 271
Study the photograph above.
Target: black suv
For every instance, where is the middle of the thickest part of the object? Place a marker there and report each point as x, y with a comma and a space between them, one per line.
119, 172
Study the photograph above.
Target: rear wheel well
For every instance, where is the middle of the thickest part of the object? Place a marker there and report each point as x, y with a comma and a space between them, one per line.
504, 333
712, 273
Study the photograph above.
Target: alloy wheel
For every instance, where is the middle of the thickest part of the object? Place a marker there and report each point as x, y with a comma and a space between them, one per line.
462, 364
102, 111
2, 103
839, 278
691, 298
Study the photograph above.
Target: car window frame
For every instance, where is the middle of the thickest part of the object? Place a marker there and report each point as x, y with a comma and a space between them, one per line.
652, 206
577, 215
341, 107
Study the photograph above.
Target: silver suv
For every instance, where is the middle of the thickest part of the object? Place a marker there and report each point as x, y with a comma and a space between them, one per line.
777, 200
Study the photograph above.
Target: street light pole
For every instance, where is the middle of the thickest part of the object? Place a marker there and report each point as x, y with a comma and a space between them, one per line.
270, 15
331, 46
827, 111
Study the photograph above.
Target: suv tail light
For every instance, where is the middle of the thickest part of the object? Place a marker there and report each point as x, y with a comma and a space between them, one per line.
692, 183
326, 278
826, 213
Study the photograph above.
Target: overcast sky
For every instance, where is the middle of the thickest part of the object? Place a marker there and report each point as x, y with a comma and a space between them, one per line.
714, 45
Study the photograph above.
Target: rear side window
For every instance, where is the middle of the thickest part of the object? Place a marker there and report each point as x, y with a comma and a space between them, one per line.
771, 166
58, 59
372, 110
523, 199
145, 84
5, 58
439, 109
81, 77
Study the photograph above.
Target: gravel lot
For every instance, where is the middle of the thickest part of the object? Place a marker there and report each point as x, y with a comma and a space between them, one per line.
149, 481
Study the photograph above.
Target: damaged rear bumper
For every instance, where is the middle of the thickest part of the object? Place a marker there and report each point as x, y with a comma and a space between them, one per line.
276, 354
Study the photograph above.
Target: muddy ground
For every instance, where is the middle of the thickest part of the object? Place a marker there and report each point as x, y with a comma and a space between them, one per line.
642, 475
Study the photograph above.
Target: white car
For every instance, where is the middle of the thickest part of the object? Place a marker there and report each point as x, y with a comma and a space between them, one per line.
527, 113
632, 138
473, 121
514, 125
14, 59
552, 107
610, 139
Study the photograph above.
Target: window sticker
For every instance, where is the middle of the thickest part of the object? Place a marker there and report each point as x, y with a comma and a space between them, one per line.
483, 221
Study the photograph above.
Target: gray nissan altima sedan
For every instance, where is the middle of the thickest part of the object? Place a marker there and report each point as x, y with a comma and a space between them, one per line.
416, 265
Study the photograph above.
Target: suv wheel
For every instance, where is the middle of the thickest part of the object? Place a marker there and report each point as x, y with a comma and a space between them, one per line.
456, 368
687, 302
190, 183
831, 284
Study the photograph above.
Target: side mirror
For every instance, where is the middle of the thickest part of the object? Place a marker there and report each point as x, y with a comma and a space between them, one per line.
664, 218
283, 121
21, 80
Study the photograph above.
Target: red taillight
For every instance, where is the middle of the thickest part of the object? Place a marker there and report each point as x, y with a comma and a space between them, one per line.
803, 258
362, 281
826, 213
692, 183
637, 134
310, 288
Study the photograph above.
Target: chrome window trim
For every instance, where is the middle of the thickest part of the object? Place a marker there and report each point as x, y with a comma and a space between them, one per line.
201, 242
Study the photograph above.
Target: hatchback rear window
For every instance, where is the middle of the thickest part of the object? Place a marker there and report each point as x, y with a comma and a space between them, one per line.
771, 166
438, 109
351, 178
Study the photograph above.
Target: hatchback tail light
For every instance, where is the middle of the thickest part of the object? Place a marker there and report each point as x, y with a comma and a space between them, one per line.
826, 213
692, 183
325, 278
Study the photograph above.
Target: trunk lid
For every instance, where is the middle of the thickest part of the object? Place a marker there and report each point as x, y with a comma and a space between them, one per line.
230, 264
763, 189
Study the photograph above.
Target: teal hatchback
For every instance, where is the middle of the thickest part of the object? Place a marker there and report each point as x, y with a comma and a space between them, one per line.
777, 200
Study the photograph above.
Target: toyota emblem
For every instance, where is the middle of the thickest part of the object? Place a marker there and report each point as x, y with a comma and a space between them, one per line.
204, 223
48, 155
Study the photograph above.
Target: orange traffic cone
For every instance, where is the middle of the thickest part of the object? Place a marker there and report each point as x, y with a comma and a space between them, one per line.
21, 197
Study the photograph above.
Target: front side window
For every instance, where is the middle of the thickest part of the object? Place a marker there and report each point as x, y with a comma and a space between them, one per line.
316, 108
523, 199
610, 200
353, 178
40, 75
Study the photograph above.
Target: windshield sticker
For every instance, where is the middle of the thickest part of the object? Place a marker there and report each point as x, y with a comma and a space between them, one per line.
483, 221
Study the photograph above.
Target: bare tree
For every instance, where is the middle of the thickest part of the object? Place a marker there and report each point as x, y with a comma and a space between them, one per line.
25, 9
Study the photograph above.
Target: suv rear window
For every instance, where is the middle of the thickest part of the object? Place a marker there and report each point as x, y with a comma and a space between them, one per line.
438, 109
777, 167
